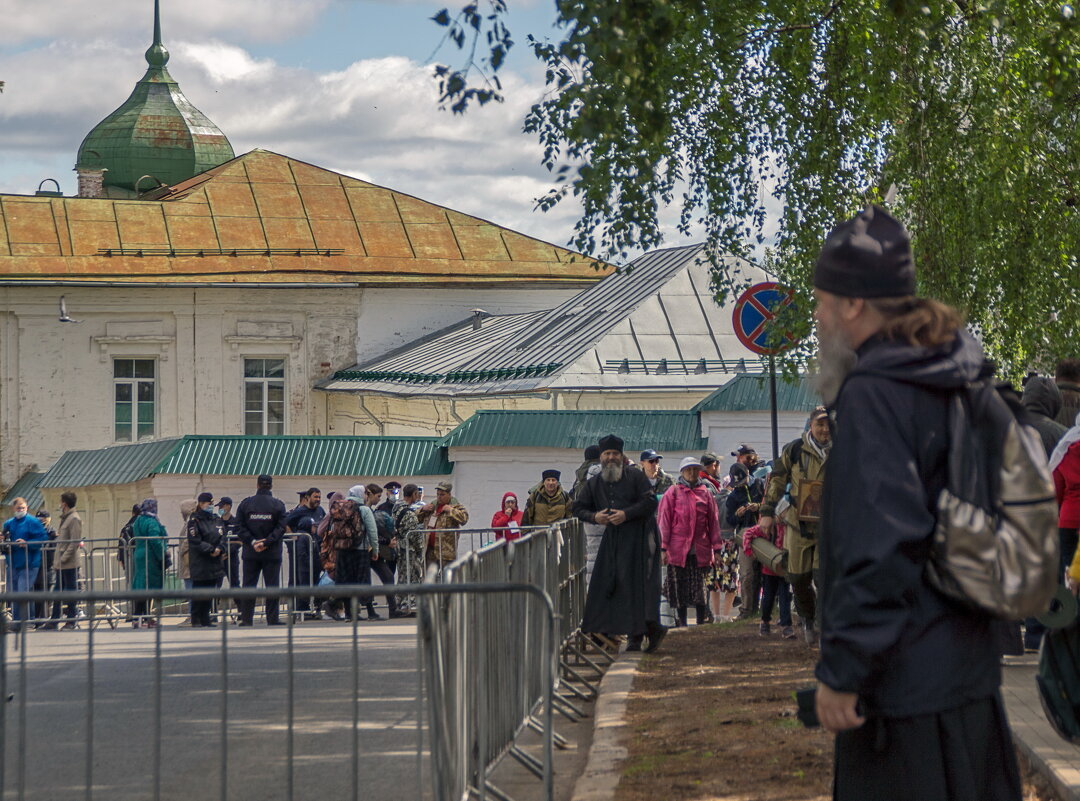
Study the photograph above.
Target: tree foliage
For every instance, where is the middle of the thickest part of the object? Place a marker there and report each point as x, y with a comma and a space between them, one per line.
737, 111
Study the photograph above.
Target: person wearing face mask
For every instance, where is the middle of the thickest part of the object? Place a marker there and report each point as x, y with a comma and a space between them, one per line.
23, 536
206, 555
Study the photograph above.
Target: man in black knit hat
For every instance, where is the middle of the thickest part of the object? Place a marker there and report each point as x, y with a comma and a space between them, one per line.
624, 590
907, 678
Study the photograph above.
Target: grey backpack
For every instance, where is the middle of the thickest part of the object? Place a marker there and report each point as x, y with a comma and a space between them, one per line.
995, 546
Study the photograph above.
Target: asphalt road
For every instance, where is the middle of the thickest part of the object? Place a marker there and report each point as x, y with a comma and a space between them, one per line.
54, 736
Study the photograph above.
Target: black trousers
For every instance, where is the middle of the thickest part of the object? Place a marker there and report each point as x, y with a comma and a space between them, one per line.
200, 610
384, 569
66, 579
301, 567
964, 754
354, 567
1067, 538
270, 570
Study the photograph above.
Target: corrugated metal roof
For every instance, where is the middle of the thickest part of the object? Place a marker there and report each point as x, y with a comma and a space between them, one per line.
578, 429
308, 456
246, 455
121, 464
519, 352
26, 487
745, 393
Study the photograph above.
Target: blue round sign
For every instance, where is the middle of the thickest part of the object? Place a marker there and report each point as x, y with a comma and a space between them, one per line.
755, 311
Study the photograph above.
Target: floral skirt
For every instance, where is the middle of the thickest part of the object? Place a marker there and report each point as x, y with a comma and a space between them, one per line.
685, 586
724, 576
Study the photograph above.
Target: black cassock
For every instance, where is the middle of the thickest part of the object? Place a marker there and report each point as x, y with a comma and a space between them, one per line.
624, 591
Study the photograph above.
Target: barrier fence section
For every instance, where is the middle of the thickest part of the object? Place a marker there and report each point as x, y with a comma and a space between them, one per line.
105, 565
492, 662
493, 629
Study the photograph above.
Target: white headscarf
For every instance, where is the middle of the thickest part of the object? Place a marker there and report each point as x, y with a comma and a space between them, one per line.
1066, 442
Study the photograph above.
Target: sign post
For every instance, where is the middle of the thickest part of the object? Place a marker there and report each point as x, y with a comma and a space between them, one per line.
755, 311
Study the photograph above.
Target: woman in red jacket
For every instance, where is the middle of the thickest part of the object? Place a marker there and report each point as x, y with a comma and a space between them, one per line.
1065, 462
507, 521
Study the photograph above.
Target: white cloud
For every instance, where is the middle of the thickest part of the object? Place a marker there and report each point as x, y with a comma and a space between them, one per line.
261, 20
377, 119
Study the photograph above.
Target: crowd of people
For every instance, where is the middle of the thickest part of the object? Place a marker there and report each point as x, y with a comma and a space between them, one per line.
386, 530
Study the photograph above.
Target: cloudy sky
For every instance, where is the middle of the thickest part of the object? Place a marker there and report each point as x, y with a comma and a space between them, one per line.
345, 84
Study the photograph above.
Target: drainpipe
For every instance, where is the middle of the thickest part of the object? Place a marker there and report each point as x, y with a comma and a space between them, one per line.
453, 411
378, 423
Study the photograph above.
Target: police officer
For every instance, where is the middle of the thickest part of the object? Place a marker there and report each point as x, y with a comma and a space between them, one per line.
228, 531
260, 526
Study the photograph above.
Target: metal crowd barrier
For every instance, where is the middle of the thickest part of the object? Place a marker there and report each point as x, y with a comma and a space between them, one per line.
204, 705
102, 569
494, 667
492, 634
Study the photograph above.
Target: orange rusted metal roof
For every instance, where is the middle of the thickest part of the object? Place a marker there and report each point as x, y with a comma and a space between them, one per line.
267, 218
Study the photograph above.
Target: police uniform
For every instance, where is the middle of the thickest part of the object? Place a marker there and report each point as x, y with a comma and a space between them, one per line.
260, 517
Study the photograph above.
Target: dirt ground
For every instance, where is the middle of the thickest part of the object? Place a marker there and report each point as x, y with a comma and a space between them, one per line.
712, 718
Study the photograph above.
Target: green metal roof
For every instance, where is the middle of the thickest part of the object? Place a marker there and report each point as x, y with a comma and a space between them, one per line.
308, 456
26, 487
679, 431
750, 393
156, 132
244, 455
121, 464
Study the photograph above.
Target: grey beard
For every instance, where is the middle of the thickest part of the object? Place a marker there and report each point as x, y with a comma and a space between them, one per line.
834, 360
611, 473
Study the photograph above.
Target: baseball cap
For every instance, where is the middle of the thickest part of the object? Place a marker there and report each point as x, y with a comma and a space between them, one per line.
743, 451
225, 500
689, 461
206, 497
649, 455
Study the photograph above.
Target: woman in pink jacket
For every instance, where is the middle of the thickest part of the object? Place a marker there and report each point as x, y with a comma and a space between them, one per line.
689, 537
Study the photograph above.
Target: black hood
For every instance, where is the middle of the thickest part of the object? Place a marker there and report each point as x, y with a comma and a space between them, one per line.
1042, 396
945, 367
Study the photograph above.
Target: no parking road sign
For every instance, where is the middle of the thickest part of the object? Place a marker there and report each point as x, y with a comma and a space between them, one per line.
755, 311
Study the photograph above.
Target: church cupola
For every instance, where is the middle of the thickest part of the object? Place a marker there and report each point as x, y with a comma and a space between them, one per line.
156, 137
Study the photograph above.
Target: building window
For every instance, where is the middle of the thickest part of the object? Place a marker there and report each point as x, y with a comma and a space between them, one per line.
264, 396
134, 399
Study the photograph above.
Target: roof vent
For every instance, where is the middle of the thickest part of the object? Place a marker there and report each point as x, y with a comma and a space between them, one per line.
478, 318
49, 192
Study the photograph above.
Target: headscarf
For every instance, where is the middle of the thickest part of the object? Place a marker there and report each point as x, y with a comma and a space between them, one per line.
1071, 436
149, 507
325, 522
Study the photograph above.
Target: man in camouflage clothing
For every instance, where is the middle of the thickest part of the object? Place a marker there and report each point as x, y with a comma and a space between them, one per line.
410, 542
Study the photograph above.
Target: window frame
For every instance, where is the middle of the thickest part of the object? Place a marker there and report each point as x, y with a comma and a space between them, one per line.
133, 381
264, 382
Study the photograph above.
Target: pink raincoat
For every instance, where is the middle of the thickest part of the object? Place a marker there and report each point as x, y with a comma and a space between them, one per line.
687, 518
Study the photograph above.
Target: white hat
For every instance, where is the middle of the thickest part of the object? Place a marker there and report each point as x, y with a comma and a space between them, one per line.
688, 461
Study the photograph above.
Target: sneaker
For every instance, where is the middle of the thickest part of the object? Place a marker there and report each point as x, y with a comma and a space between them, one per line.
69, 626
810, 635
763, 630
788, 633
633, 646
373, 615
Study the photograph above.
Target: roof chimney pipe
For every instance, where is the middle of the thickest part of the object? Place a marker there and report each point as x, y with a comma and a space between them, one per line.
478, 318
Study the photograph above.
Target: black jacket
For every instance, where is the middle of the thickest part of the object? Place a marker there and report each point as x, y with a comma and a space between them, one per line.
261, 516
1042, 401
204, 536
886, 633
741, 496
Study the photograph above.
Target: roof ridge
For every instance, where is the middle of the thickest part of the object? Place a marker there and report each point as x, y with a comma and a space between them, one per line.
602, 286
431, 337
